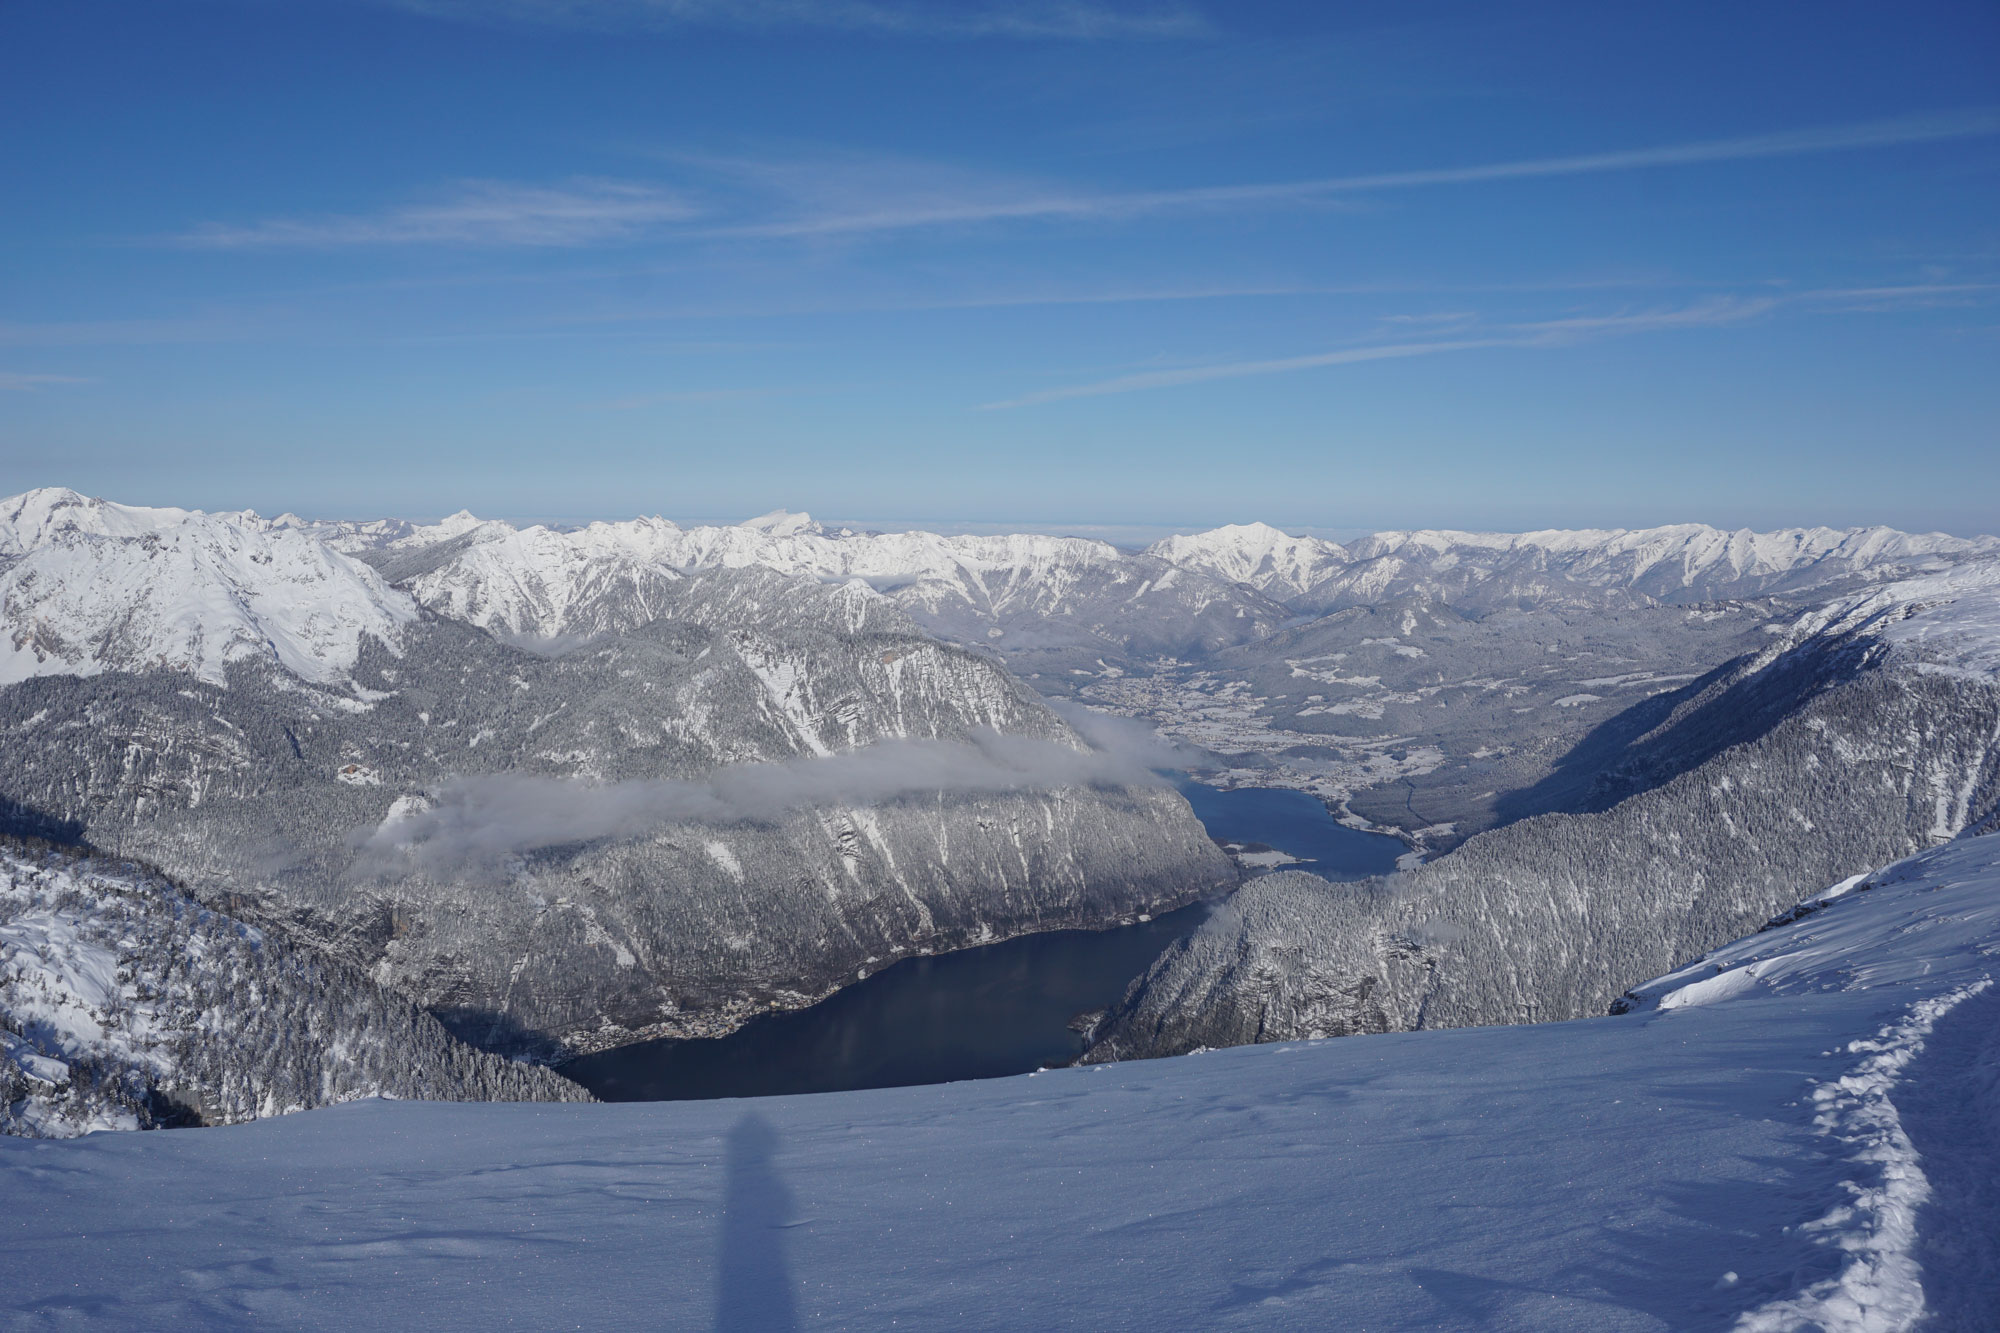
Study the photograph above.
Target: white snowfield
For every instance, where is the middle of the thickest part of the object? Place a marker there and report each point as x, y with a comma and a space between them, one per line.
1952, 618
88, 586
1796, 1133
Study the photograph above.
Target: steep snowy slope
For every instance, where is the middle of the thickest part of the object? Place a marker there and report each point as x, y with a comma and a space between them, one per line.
1810, 1148
542, 584
125, 1004
1872, 731
87, 586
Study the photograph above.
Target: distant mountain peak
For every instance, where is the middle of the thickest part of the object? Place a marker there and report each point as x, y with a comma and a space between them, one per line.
92, 586
33, 518
782, 523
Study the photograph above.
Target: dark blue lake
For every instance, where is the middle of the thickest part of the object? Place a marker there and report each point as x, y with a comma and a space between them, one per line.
1294, 822
978, 1013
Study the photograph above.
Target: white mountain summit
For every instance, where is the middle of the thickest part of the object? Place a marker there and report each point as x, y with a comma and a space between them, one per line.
88, 586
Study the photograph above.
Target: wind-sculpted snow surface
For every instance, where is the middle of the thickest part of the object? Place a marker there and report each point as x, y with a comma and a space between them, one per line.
124, 1004
1774, 1158
1869, 734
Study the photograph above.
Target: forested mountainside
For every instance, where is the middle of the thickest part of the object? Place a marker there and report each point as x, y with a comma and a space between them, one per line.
126, 1004
1871, 732
694, 828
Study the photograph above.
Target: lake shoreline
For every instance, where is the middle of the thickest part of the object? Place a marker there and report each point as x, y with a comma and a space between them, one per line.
989, 1010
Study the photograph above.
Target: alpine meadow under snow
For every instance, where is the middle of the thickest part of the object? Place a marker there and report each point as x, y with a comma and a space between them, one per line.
302, 813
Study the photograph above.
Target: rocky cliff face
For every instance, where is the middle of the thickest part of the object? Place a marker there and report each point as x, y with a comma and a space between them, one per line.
1873, 732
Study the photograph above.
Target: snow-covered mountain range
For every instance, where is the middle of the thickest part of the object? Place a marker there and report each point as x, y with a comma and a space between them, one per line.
1687, 562
91, 585
87, 586
707, 758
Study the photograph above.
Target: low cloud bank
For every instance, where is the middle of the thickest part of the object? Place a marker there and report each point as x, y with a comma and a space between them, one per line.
488, 818
1127, 737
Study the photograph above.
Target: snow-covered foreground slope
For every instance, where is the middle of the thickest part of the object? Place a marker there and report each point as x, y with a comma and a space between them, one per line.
1812, 1147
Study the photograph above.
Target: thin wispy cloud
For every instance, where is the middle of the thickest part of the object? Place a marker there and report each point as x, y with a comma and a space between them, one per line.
1702, 314
849, 197
1917, 296
843, 193
1961, 124
1546, 333
135, 332
13, 381
688, 397
1166, 379
1033, 20
477, 213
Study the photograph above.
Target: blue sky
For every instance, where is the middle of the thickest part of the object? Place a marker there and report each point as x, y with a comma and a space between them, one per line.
1054, 263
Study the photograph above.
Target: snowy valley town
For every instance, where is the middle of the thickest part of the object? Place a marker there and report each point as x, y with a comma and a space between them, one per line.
1386, 715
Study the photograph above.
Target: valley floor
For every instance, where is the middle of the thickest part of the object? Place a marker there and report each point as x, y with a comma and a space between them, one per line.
1796, 1133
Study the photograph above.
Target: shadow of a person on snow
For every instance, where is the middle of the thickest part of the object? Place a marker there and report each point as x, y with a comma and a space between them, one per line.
753, 1281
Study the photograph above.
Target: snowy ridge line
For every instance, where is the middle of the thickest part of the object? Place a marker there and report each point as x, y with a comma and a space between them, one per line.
1880, 1289
87, 585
